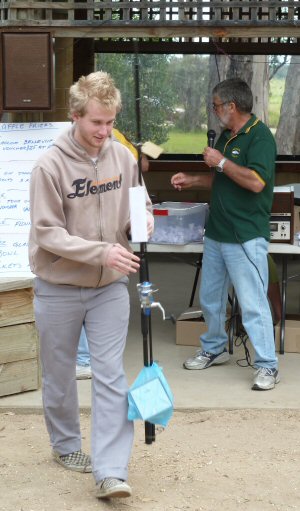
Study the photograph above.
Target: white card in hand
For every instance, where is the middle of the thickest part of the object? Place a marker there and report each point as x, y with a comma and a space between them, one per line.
138, 215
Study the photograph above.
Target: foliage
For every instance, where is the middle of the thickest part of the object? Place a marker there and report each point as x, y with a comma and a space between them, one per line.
189, 78
155, 93
173, 97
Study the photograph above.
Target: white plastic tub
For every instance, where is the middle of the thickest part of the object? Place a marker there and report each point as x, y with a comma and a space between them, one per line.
179, 223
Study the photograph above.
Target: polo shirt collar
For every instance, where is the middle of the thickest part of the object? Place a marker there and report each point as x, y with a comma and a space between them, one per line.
246, 128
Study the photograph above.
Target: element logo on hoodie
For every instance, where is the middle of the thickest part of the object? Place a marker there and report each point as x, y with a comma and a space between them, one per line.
86, 186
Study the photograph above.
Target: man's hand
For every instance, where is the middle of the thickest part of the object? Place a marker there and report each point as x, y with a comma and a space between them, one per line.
122, 260
182, 181
212, 157
243, 176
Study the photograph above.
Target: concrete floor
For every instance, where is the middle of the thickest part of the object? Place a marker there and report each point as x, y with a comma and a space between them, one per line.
227, 386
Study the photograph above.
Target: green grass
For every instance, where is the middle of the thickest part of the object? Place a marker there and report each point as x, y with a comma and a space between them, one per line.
189, 142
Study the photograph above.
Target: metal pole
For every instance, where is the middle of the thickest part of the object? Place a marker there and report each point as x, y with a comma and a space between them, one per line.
144, 272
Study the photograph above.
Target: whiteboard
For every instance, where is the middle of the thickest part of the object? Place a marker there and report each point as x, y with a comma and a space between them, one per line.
21, 144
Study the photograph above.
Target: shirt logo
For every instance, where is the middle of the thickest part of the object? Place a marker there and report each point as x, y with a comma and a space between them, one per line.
235, 152
86, 187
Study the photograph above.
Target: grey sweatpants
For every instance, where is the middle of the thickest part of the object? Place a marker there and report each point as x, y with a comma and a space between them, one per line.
60, 311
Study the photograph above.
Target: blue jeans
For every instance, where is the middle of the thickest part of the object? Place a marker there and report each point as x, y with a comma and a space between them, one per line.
83, 352
246, 268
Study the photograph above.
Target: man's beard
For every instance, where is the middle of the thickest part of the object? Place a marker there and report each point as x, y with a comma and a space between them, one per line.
223, 120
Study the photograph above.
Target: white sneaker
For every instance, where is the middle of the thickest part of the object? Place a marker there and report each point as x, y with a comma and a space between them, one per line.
83, 372
265, 378
203, 359
111, 487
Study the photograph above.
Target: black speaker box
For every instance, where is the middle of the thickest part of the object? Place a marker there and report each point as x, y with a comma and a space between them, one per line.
27, 71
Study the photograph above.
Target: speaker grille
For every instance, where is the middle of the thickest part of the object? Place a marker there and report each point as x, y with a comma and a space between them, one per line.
27, 71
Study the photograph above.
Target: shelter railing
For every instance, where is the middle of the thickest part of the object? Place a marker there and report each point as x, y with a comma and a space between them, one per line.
150, 13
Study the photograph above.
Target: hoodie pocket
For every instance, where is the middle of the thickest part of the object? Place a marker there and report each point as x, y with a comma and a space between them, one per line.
74, 273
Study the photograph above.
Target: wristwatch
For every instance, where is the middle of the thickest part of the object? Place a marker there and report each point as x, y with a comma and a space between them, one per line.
220, 166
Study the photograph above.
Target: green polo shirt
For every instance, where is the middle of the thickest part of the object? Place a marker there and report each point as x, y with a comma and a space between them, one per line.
237, 214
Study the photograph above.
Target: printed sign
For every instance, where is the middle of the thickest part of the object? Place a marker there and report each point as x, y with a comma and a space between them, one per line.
21, 144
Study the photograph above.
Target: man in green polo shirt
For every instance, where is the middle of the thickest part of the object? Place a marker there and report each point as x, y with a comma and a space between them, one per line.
237, 233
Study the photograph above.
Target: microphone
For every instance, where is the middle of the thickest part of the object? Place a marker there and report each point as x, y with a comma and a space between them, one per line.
211, 135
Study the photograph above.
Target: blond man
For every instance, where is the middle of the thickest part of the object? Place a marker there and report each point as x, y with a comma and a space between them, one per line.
79, 252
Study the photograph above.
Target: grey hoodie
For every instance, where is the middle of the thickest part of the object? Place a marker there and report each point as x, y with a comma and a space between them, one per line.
78, 210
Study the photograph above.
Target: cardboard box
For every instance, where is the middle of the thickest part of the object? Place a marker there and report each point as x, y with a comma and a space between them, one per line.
291, 337
189, 326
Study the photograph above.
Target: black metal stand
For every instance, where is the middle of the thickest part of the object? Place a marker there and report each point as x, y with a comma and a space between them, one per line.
233, 328
147, 335
283, 303
144, 272
197, 274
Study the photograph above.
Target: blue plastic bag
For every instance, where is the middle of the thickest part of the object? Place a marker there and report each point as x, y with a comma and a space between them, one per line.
150, 398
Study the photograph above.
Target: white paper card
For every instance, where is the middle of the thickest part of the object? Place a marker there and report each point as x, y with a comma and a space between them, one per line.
138, 214
152, 150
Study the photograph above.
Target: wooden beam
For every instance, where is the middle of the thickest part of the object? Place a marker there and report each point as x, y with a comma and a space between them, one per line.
171, 29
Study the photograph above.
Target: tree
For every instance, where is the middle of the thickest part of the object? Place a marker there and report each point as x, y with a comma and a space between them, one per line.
288, 130
156, 99
189, 77
278, 65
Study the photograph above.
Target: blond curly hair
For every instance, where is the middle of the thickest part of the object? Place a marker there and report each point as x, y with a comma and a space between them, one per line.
99, 86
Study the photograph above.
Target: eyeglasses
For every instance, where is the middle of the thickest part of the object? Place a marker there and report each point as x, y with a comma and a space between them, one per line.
216, 105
